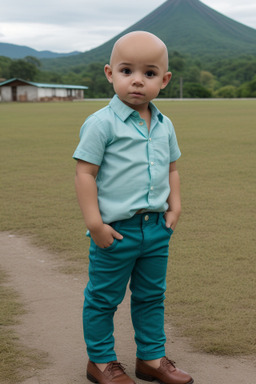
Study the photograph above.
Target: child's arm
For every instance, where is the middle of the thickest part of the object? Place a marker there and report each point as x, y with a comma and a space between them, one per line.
174, 201
86, 189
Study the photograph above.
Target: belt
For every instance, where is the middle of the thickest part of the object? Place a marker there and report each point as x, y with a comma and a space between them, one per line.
145, 211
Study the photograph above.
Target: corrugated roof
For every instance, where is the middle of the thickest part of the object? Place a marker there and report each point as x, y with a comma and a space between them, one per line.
44, 85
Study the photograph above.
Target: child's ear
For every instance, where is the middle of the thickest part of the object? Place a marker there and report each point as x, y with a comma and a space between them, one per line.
108, 73
167, 77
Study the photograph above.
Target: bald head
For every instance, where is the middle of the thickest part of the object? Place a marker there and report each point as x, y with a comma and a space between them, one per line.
138, 68
143, 45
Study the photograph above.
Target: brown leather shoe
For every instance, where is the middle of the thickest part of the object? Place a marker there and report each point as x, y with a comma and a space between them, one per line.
167, 373
113, 373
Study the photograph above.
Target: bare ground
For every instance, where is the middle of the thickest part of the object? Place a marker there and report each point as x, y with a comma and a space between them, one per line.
53, 324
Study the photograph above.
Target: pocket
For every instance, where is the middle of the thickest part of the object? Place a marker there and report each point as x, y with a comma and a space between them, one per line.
110, 247
168, 230
115, 226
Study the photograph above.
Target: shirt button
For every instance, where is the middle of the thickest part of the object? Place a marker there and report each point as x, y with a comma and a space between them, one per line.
146, 218
150, 139
152, 163
141, 123
151, 188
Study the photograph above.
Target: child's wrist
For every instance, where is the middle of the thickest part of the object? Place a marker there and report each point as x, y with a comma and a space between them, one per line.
176, 212
95, 226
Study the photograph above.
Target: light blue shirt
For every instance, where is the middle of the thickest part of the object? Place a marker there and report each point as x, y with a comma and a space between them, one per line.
134, 162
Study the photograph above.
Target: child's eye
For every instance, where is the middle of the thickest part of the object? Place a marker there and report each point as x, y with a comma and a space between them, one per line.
150, 74
126, 71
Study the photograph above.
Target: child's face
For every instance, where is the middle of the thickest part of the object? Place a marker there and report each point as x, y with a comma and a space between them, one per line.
138, 69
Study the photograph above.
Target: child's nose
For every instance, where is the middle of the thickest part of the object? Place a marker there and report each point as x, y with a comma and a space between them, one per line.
138, 79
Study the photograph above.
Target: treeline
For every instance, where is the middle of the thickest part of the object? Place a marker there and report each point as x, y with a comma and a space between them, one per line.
192, 78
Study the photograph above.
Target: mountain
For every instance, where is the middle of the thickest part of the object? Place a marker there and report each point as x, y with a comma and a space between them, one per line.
186, 26
20, 51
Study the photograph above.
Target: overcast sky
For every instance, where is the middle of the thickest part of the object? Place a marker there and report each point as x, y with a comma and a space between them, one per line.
80, 25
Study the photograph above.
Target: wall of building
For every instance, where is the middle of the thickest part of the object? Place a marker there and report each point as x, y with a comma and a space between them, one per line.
47, 94
27, 93
31, 93
19, 93
5, 94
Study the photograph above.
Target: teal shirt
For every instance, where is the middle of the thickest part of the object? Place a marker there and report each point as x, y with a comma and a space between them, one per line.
134, 162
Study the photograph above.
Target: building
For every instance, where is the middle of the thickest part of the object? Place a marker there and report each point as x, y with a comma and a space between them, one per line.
23, 90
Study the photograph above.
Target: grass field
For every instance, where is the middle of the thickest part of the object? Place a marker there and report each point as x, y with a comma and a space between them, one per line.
211, 278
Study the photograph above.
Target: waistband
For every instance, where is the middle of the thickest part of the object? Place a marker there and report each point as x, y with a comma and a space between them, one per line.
139, 219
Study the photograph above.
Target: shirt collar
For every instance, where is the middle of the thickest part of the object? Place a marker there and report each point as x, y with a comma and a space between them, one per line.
123, 111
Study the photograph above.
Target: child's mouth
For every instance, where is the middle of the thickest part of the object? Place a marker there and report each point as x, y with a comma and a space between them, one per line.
136, 94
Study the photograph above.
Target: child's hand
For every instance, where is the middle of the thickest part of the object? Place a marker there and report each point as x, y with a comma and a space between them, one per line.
171, 219
105, 235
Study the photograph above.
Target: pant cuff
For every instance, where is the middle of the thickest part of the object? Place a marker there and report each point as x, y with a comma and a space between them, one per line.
102, 359
150, 356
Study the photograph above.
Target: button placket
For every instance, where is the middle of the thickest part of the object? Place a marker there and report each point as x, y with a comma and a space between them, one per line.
151, 160
139, 124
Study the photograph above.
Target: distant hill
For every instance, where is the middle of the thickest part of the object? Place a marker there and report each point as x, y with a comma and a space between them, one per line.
20, 51
186, 26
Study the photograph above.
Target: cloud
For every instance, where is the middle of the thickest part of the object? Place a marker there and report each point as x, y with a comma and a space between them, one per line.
77, 11
64, 26
241, 11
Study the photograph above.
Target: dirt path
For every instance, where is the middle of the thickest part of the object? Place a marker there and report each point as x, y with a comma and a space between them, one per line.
53, 324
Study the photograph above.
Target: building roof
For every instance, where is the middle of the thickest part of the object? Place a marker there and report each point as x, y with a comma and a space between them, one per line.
42, 85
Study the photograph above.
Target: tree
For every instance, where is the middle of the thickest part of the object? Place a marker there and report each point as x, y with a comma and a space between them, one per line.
98, 84
176, 62
207, 79
195, 90
247, 89
33, 60
192, 74
23, 69
5, 63
49, 77
229, 92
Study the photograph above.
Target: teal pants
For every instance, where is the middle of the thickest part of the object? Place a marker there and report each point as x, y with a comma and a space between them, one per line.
142, 257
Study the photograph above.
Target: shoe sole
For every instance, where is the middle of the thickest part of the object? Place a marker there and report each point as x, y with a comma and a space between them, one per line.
142, 376
91, 378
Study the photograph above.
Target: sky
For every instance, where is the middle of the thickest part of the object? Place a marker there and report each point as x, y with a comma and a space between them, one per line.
80, 25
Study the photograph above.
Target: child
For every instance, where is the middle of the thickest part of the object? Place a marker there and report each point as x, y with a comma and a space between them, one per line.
126, 168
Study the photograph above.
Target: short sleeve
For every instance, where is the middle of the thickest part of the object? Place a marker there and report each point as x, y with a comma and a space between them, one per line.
175, 152
93, 141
